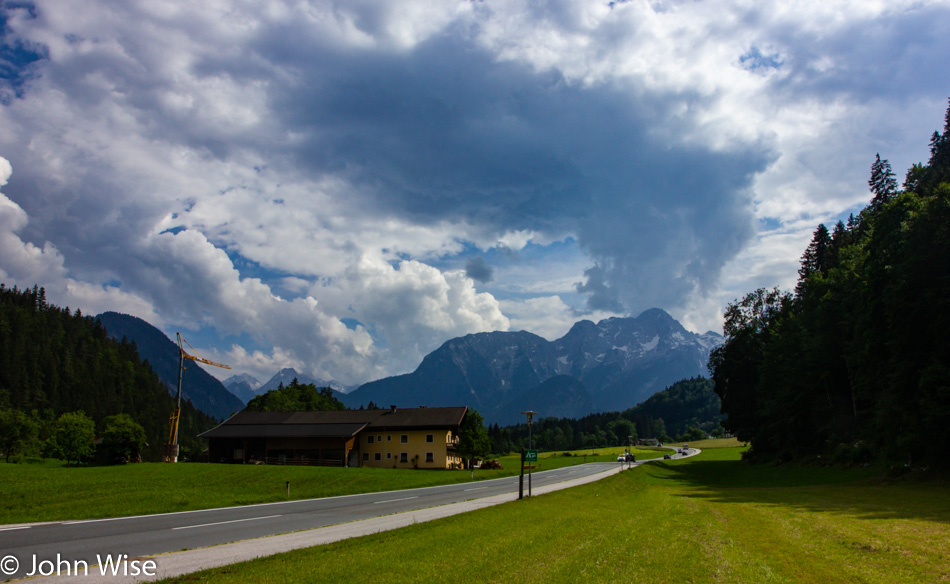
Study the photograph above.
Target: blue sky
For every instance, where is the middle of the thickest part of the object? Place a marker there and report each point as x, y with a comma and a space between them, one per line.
340, 187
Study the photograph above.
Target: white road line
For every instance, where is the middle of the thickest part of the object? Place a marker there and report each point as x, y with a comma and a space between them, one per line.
13, 528
394, 500
476, 489
223, 522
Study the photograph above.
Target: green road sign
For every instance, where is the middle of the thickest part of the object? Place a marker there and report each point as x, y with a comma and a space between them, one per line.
531, 456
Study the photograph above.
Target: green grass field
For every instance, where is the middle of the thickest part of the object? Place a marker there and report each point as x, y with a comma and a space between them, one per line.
49, 491
712, 518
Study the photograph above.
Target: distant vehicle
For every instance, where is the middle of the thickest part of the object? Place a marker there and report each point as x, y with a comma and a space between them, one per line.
666, 457
621, 458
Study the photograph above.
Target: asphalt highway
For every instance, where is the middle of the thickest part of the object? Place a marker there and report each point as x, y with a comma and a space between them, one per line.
90, 541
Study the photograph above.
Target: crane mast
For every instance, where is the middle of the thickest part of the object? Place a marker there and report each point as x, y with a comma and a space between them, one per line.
170, 453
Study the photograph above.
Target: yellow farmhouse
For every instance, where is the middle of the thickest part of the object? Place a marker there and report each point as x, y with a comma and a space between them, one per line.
394, 438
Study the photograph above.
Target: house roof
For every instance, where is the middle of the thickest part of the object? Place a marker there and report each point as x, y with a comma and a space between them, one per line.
335, 423
283, 431
418, 418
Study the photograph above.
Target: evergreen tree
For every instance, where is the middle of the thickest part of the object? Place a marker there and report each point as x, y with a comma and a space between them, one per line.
882, 183
295, 397
857, 365
54, 360
817, 257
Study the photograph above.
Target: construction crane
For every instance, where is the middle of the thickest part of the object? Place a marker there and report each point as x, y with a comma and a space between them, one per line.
171, 449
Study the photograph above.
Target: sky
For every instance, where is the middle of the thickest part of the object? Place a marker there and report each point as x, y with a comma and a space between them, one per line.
342, 186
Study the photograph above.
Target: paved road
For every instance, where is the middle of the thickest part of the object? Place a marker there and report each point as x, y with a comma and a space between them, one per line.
91, 540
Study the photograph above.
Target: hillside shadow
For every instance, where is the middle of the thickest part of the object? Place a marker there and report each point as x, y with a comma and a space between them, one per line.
855, 492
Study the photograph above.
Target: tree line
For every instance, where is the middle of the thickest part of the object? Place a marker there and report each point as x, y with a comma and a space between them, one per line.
854, 364
60, 370
687, 410
295, 397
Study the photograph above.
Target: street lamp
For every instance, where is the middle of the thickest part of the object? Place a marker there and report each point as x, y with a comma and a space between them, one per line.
530, 415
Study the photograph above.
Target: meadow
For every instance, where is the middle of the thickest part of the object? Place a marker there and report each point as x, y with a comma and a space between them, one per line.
712, 518
45, 490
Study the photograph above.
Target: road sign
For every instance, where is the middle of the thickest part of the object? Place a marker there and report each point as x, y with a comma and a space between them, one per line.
531, 456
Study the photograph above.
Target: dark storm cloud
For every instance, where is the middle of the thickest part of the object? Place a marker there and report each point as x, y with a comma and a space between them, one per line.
167, 146
479, 270
447, 132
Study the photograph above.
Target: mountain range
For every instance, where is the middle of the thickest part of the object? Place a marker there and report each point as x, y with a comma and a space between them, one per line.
204, 391
248, 387
608, 366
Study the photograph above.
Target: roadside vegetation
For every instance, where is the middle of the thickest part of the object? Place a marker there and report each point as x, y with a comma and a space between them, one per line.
686, 410
45, 490
854, 365
711, 518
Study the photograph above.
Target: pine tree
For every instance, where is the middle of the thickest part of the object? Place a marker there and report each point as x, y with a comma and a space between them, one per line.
816, 259
940, 153
882, 183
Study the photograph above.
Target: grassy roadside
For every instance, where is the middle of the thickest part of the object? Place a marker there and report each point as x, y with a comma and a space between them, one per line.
51, 492
709, 519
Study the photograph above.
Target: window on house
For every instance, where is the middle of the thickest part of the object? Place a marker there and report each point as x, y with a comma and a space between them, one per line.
377, 456
379, 438
389, 437
366, 456
403, 457
404, 439
430, 438
389, 455
369, 439
430, 457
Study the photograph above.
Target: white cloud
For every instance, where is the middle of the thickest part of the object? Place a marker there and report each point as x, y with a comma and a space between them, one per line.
278, 168
414, 308
546, 316
23, 262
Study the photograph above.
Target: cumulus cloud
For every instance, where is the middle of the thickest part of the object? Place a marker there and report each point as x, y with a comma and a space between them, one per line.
23, 261
295, 171
414, 308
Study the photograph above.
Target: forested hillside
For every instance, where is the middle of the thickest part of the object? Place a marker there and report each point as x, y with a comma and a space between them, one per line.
688, 410
197, 385
853, 365
53, 362
296, 397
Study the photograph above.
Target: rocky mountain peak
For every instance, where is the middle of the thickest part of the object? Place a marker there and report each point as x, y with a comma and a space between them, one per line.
610, 365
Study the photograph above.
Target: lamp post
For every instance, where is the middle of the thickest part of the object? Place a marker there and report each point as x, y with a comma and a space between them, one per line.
530, 415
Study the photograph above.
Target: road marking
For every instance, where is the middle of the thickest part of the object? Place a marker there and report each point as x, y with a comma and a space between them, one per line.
394, 500
13, 528
476, 489
294, 501
223, 522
